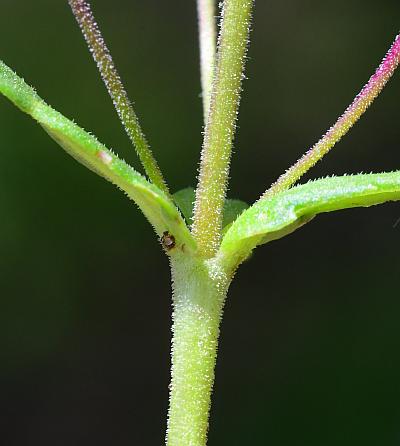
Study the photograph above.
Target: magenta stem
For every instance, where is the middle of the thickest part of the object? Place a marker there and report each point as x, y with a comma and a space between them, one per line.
351, 115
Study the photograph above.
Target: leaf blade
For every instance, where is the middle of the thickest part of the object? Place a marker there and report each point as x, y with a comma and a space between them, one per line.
85, 148
270, 219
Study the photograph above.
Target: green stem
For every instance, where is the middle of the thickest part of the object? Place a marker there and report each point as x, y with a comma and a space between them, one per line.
199, 294
208, 44
220, 128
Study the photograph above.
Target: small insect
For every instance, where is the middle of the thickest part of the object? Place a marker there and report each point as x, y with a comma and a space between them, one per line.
168, 241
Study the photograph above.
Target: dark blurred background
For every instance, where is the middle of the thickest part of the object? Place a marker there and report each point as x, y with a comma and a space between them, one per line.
310, 350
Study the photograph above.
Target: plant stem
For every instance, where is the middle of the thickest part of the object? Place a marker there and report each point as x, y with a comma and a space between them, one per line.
208, 44
101, 54
199, 294
352, 114
220, 127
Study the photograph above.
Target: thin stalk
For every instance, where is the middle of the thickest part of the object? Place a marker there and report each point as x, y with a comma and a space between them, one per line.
220, 127
101, 54
360, 104
208, 44
199, 294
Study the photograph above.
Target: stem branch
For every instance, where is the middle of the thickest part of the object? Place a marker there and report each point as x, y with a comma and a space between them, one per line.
208, 44
220, 127
101, 54
352, 114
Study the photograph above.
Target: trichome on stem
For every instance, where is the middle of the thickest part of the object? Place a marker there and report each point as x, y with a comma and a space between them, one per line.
205, 235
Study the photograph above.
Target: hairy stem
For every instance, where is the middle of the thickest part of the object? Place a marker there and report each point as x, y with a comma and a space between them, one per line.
352, 114
208, 43
220, 127
199, 294
105, 64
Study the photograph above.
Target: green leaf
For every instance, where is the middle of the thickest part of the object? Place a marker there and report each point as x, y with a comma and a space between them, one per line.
232, 209
156, 206
272, 219
185, 198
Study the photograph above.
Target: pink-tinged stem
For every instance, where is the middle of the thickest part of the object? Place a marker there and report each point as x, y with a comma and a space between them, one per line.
84, 16
360, 104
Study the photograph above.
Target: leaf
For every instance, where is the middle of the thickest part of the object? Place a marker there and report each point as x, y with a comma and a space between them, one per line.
85, 148
272, 219
232, 209
185, 199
